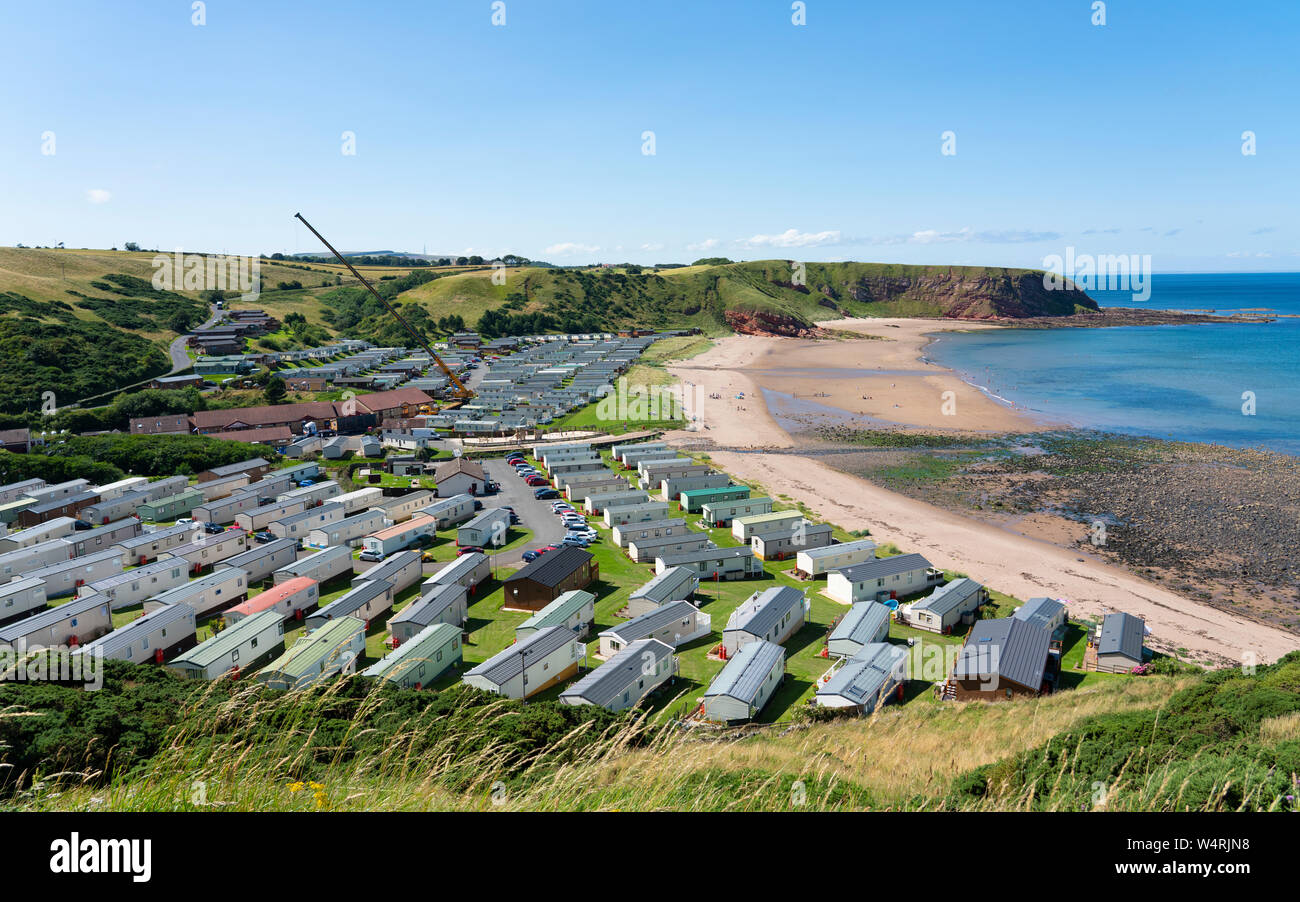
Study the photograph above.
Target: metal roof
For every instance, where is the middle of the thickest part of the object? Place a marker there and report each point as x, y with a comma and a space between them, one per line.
416, 649
391, 565
551, 568
130, 576
608, 681
743, 675
888, 566
707, 554
361, 593
839, 547
785, 532
861, 623
274, 595
948, 597
1005, 648
867, 672
760, 612
560, 610
647, 623
50, 616
317, 645
457, 568
124, 635
184, 590
430, 605
667, 585
1039, 611
224, 642
509, 663
1122, 634
148, 538
257, 552
113, 553
487, 518
770, 516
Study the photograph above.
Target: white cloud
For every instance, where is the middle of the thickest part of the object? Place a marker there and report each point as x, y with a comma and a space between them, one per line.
98, 196
571, 248
794, 238
652, 246
707, 244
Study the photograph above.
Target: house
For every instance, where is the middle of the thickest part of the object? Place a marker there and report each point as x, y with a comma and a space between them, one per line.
254, 469
136, 585
305, 416
1120, 644
624, 514
173, 383
69, 624
221, 588
366, 600
575, 611
693, 500
490, 528
645, 551
884, 578
273, 436
12, 491
168, 485
400, 402
420, 660
65, 577
150, 545
332, 649
674, 584
236, 648
170, 507
467, 571
811, 563
156, 635
117, 489
945, 607
262, 560
162, 424
782, 542
714, 563
626, 678
626, 533
864, 623
676, 623
548, 577
1001, 658
349, 531
1048, 613
865, 680
772, 615
746, 527
459, 476
531, 665
722, 513
437, 604
577, 491
633, 459
745, 684
401, 569
321, 566
289, 599
20, 597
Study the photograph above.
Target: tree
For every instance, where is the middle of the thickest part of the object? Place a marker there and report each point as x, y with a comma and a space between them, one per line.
275, 390
131, 246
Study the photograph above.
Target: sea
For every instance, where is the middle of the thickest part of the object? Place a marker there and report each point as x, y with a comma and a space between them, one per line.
1230, 384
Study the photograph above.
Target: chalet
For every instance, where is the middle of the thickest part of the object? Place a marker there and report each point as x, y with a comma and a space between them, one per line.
420, 660
548, 577
401, 402
305, 416
1120, 643
722, 513
1002, 658
745, 684
786, 542
814, 562
626, 678
881, 579
676, 623
674, 584
531, 665
366, 600
772, 615
290, 600
459, 476
939, 612
861, 625
156, 635
437, 604
332, 649
1048, 613
714, 563
865, 680
575, 611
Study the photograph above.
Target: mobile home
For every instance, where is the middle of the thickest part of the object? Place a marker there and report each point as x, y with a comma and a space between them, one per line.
392, 539
102, 538
489, 528
575, 611
1048, 613
366, 600
1121, 643
420, 660
149, 546
403, 507
866, 679
165, 487
626, 678
263, 559
714, 563
20, 597
401, 569
360, 500
332, 649
348, 531
447, 512
881, 579
155, 636
65, 577
862, 624
644, 551
171, 507
135, 586
122, 487
693, 500
814, 562
437, 604
531, 665
209, 550
674, 584
289, 600
72, 623
577, 492
745, 684
222, 587
24, 560
617, 451
596, 503
57, 528
312, 495
671, 488
299, 526
773, 615
655, 472
106, 511
785, 542
646, 511
627, 533
676, 623
322, 566
722, 513
467, 571
945, 607
746, 527
224, 510
237, 648
258, 519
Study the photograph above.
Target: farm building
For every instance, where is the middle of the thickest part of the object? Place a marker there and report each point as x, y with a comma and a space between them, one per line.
401, 569
645, 512
1047, 613
575, 611
260, 518
106, 511
644, 551
670, 489
332, 649
746, 527
625, 534
714, 563
447, 512
57, 528
65, 577
883, 578
254, 469
531, 665
19, 597
722, 513
149, 545
299, 526
467, 571
814, 562
490, 528
693, 500
772, 615
545, 579
156, 635
945, 607
674, 584
626, 678
864, 623
675, 623
322, 566
1120, 643
74, 622
135, 586
595, 504
348, 531
102, 538
289, 600
366, 600
236, 648
459, 476
212, 592
224, 510
745, 684
33, 557
209, 550
312, 495
423, 658
360, 500
1001, 658
436, 604
865, 680
403, 507
783, 543
171, 507
261, 560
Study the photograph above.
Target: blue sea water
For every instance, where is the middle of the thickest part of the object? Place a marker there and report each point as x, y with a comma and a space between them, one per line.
1181, 382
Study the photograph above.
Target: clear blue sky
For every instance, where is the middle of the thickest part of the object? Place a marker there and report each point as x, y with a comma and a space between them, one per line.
814, 142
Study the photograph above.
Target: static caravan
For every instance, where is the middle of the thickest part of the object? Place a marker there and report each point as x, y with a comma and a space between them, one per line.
814, 562
77, 621
271, 486
745, 684
14, 490
786, 542
360, 500
645, 469
235, 649
773, 615
467, 571
420, 660
1048, 613
437, 604
576, 492
531, 665
313, 495
102, 538
693, 500
263, 559
139, 584
744, 528
149, 546
222, 587
259, 519
122, 487
670, 489
113, 509
715, 563
722, 513
172, 507
401, 569
572, 468
155, 636
626, 533
392, 539
217, 489
209, 550
403, 507
865, 680
881, 579
575, 611
626, 678
165, 487
297, 472
48, 531
945, 607
676, 623
674, 584
447, 512
555, 458
224, 510
644, 551
366, 600
655, 472
645, 512
565, 480
20, 597
862, 624
289, 600
299, 526
322, 566
489, 528
596, 503
33, 557
617, 451
69, 489
631, 460
65, 577
348, 531
539, 451
1121, 643
332, 649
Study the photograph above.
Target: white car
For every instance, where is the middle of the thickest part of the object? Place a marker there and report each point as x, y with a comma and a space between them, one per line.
587, 533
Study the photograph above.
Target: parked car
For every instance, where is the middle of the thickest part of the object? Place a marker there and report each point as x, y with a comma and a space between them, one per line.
512, 458
375, 556
213, 528
468, 549
264, 536
544, 493
561, 506
478, 505
589, 534
574, 541
303, 483
530, 556
535, 481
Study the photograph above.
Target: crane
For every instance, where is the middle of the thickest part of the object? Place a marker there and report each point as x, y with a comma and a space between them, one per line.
462, 392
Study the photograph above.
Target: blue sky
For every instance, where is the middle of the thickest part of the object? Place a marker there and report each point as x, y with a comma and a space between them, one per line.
814, 142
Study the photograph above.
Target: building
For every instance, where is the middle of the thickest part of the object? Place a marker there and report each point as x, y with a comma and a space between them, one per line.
66, 577
489, 528
596, 503
745, 684
263, 559
134, 586
348, 531
722, 513
301, 525
467, 571
35, 535
360, 500
163, 424
1047, 613
150, 545
254, 469
235, 649
101, 538
224, 510
20, 597
782, 543
221, 588
156, 635
260, 518
628, 514
404, 507
402, 569
671, 488
209, 550
171, 507
1120, 644
863, 624
306, 416
1002, 658
447, 512
617, 451
531, 665
437, 604
332, 649
714, 563
72, 623
14, 564
945, 607
548, 577
18, 441
110, 509
626, 678
59, 506
420, 660
645, 551
366, 600
313, 495
676, 623
575, 611
625, 534
459, 476
289, 600
392, 539
772, 615
881, 579
322, 566
746, 527
811, 563
693, 500
866, 680
674, 584
224, 487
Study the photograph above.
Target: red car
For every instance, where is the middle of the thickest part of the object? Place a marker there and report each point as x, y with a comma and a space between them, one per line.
536, 480
468, 549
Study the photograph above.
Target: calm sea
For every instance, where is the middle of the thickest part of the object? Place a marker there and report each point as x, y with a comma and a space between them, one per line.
1182, 382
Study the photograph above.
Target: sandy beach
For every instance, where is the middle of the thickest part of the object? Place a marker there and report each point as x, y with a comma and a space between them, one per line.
1007, 561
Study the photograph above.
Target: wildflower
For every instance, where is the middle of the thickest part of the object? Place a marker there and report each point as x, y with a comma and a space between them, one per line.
296, 787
